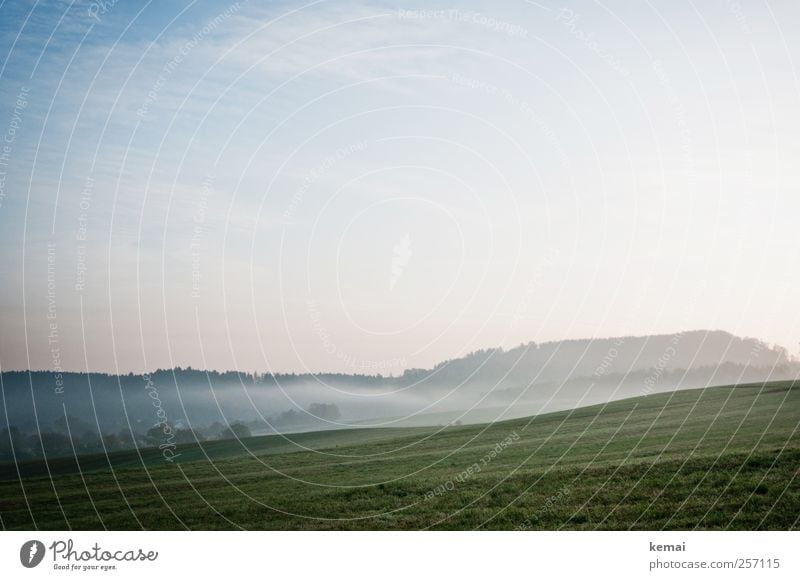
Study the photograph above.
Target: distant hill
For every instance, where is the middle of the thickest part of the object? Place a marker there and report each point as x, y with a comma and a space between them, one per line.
562, 360
551, 376
481, 386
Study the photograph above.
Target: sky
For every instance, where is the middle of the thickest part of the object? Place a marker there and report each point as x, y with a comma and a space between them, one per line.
369, 187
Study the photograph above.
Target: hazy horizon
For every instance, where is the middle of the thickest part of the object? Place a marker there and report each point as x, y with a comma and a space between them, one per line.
367, 188
366, 371
482, 387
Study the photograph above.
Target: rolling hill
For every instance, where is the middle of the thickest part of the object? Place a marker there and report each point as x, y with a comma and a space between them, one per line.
714, 458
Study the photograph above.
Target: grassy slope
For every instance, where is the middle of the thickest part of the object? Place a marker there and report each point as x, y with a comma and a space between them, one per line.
216, 450
724, 457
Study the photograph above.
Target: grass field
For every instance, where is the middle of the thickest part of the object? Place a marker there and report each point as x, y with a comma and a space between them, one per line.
717, 458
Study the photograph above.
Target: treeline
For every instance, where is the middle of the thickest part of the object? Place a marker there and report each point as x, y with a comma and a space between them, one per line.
71, 435
562, 361
34, 400
77, 438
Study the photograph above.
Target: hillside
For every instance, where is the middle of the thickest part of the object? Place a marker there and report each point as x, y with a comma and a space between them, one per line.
484, 386
716, 458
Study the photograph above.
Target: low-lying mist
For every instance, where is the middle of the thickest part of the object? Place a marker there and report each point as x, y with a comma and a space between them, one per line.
44, 411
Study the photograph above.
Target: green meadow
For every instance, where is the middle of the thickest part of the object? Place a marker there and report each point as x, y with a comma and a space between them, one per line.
716, 458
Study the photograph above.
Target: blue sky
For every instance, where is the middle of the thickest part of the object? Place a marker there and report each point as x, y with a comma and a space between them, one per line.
374, 186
